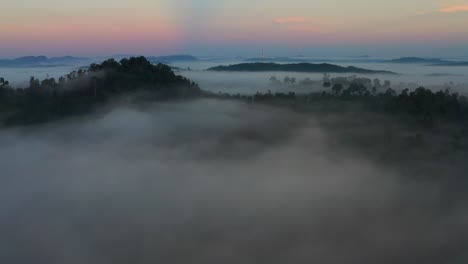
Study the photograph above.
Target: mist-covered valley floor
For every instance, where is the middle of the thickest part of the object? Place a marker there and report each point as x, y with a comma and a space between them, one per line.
234, 132
224, 181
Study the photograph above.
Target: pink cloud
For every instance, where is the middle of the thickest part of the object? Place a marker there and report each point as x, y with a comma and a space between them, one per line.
453, 9
289, 20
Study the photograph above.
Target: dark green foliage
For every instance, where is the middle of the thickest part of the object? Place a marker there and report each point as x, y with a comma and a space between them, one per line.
422, 103
3, 82
337, 88
80, 91
355, 89
5, 99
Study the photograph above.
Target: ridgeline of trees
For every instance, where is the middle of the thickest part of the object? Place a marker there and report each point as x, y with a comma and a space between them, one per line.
295, 67
80, 91
422, 103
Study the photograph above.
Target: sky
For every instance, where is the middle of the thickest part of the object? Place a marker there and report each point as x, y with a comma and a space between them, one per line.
431, 28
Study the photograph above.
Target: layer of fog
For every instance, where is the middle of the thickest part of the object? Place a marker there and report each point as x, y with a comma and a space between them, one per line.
432, 76
212, 182
248, 83
410, 76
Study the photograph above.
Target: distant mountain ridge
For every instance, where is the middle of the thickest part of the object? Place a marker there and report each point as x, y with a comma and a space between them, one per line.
295, 67
429, 61
38, 61
452, 63
363, 59
171, 58
276, 59
417, 60
31, 61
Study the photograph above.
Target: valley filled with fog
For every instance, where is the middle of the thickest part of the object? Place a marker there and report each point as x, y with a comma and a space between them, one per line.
412, 74
234, 132
212, 179
216, 181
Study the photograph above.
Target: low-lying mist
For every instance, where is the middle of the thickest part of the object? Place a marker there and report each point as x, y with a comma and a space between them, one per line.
214, 181
249, 83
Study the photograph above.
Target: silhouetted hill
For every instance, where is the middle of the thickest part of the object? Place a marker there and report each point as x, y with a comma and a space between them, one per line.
80, 91
297, 67
35, 61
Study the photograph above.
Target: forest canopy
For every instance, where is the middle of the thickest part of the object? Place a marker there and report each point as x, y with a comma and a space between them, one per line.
80, 91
